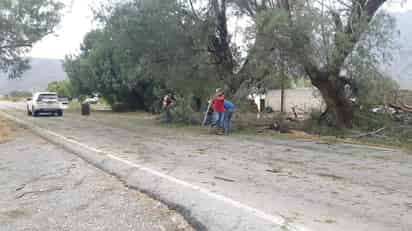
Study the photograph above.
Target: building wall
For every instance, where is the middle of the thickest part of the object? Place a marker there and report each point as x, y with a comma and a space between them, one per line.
406, 96
303, 99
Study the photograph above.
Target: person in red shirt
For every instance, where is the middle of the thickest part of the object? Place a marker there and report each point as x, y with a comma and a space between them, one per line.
218, 103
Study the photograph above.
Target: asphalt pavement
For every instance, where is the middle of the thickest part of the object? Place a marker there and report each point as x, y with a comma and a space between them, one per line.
232, 183
45, 188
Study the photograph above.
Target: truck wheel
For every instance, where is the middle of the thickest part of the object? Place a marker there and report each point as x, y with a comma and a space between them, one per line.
60, 113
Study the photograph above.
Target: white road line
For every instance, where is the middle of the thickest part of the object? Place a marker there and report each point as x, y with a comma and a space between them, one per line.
275, 219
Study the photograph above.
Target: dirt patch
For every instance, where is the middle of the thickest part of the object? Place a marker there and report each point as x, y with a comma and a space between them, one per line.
6, 130
17, 213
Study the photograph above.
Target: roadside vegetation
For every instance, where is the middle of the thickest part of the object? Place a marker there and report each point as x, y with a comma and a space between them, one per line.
16, 96
24, 23
63, 88
145, 49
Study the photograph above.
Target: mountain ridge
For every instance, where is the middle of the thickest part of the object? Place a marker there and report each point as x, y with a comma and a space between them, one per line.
42, 72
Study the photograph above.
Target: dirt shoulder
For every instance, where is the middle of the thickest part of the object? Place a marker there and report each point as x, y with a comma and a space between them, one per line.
5, 130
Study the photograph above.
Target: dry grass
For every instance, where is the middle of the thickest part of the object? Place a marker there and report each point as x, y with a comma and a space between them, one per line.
5, 130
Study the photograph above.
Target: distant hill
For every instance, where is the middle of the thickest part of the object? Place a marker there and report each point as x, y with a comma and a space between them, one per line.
42, 72
401, 68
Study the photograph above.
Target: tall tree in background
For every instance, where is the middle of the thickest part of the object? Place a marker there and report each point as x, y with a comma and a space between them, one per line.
144, 50
224, 54
184, 46
220, 44
265, 63
324, 37
63, 88
23, 23
260, 64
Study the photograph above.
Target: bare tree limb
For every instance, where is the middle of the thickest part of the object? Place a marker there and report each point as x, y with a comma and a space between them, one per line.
373, 133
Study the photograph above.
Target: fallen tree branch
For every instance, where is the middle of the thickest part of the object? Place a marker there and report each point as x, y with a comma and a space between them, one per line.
403, 107
224, 179
407, 107
370, 133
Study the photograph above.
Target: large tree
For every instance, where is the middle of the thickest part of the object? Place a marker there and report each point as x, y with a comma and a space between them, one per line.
23, 23
262, 61
173, 44
324, 37
144, 50
63, 88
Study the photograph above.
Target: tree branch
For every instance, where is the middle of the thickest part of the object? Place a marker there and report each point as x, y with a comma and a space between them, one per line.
363, 11
193, 9
14, 46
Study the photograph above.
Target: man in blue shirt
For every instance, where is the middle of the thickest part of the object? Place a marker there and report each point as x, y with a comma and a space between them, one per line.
229, 109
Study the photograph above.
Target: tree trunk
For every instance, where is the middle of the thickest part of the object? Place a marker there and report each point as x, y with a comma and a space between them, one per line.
282, 87
333, 92
219, 46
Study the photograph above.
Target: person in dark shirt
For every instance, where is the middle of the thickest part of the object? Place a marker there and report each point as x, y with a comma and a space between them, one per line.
229, 109
169, 101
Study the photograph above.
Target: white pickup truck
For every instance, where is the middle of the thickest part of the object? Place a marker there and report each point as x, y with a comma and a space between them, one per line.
44, 102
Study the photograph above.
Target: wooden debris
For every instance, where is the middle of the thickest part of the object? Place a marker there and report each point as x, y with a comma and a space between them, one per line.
298, 133
224, 179
373, 133
273, 170
407, 107
403, 107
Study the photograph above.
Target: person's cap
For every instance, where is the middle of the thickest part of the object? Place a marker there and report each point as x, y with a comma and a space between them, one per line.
219, 90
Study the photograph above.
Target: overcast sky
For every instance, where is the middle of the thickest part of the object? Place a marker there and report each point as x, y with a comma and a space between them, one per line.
77, 21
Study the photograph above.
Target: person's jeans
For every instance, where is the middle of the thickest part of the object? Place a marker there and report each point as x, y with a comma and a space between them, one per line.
228, 122
168, 115
219, 119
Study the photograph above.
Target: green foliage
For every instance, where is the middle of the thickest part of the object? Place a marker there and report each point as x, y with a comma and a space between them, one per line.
374, 89
368, 121
23, 23
320, 123
143, 51
79, 74
62, 88
320, 40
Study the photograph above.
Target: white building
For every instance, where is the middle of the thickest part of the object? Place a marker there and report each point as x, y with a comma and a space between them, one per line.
302, 99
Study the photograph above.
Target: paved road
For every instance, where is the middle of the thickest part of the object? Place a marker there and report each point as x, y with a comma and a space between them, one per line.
319, 186
44, 188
